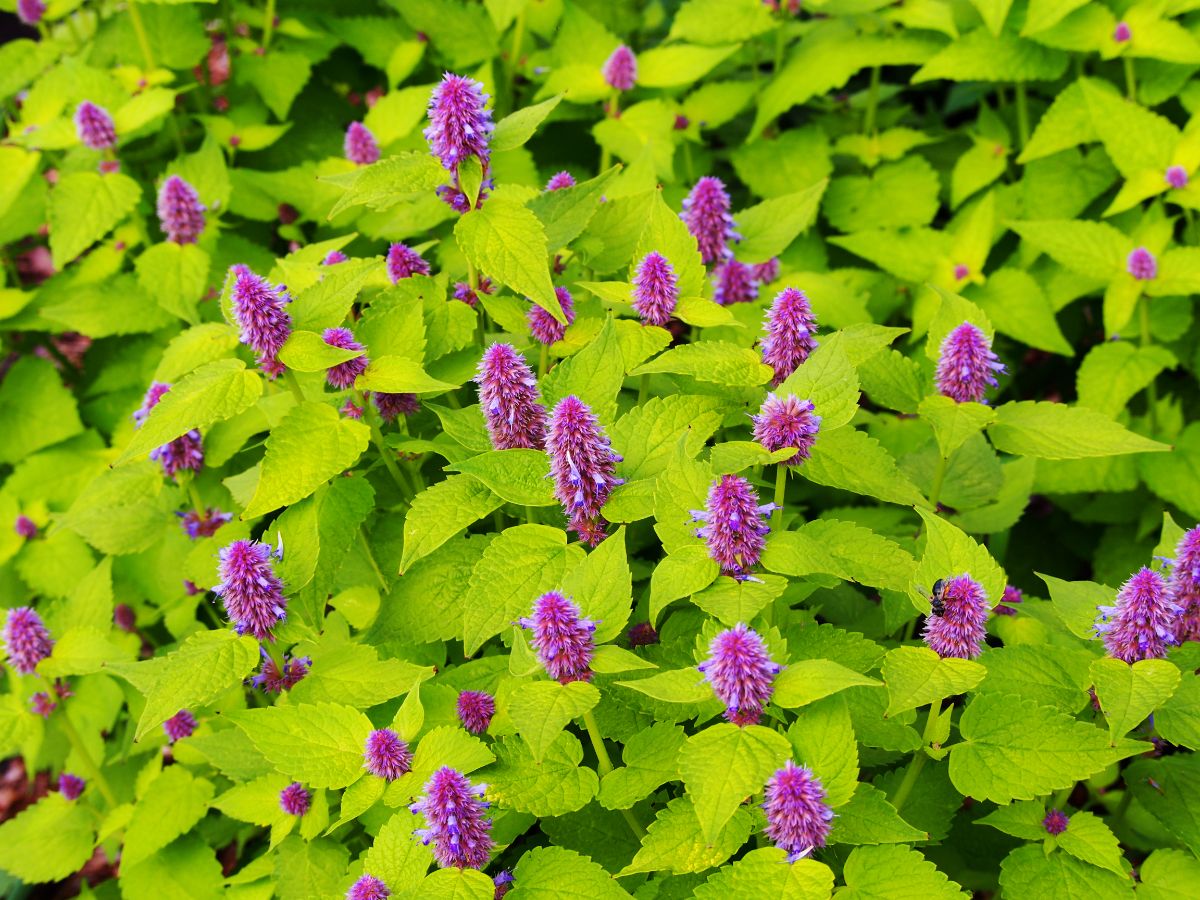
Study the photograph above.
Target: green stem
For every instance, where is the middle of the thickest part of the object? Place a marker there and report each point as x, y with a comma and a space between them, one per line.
1130, 79
939, 476
604, 764
290, 377
1147, 339
872, 101
1057, 801
139, 29
611, 108
544, 361
919, 757
530, 515
389, 461
780, 492
85, 757
194, 496
362, 536
1022, 114
269, 25
643, 388
780, 43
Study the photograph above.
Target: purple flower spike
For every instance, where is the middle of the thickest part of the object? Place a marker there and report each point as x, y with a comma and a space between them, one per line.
563, 638
545, 328
766, 272
512, 407
959, 630
1056, 822
706, 213
1183, 587
733, 282
185, 452
464, 293
1142, 265
459, 125
1177, 177
294, 799
560, 180
26, 640
789, 422
333, 257
30, 11
967, 366
259, 308
620, 69
475, 710
503, 882
179, 726
741, 673
798, 818
252, 593
790, 334
198, 524
404, 262
643, 634
368, 888
1008, 603
961, 271
393, 406
25, 527
42, 704
359, 145
273, 679
386, 755
70, 786
1142, 623
735, 525
94, 126
457, 826
179, 211
1122, 33
342, 375
655, 289
583, 466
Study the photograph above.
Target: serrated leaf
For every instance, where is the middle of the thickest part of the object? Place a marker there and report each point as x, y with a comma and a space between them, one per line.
854, 461
384, 183
1089, 839
732, 601
868, 818
441, 511
507, 243
354, 675
983, 56
948, 553
516, 128
895, 873
397, 856
1055, 431
594, 375
551, 873
916, 676
174, 802
809, 680
674, 843
828, 379
176, 275
650, 758
317, 744
823, 740
843, 549
1128, 693
1027, 873
399, 375
953, 422
769, 228
541, 710
680, 574
677, 686
84, 207
712, 361
766, 873
649, 433
306, 351
47, 841
602, 585
553, 787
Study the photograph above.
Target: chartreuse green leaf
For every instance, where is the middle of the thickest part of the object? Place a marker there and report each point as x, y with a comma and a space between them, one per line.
1165, 874
257, 801
517, 476
211, 393
541, 710
1077, 602
809, 680
318, 744
823, 739
551, 873
1178, 718
384, 183
556, 786
1055, 431
602, 585
594, 375
1128, 693
948, 553
176, 275
399, 375
398, 857
35, 409
749, 756
674, 842
648, 434
507, 242
767, 873
566, 213
854, 461
84, 207
651, 760
916, 676
515, 129
1089, 839
174, 802
953, 422
732, 601
676, 686
1022, 819
828, 379
441, 511
716, 362
47, 841
843, 549
894, 873
185, 868
306, 351
309, 868
770, 227
1013, 749
680, 574
353, 674
1028, 873
121, 510
442, 746
81, 651
456, 884
868, 818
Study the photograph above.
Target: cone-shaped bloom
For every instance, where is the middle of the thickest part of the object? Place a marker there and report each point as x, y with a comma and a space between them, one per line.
560, 180
512, 407
620, 69
393, 406
967, 366
655, 289
253, 594
766, 272
503, 882
180, 725
272, 679
26, 640
1177, 177
333, 257
459, 125
342, 375
1008, 603
545, 328
294, 799
25, 527
1056, 822
198, 524
475, 710
455, 818
706, 214
404, 262
1142, 264
735, 525
787, 422
386, 755
126, 619
42, 704
798, 817
185, 452
1183, 587
1142, 623
959, 631
643, 634
583, 466
70, 786
30, 11
179, 211
961, 271
733, 282
359, 145
464, 292
563, 638
94, 126
368, 887
1122, 33
351, 410
741, 673
259, 308
790, 334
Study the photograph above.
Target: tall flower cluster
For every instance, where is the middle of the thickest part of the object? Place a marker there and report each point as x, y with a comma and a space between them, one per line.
259, 308
94, 126
706, 214
508, 394
368, 887
295, 800
798, 816
563, 638
734, 282
70, 786
475, 710
1056, 822
252, 592
197, 524
26, 640
359, 145
30, 11
393, 406
386, 755
620, 69
25, 527
470, 296
735, 525
1143, 622
180, 211
1142, 264
404, 262
560, 180
741, 673
1176, 177
459, 127
185, 452
180, 725
343, 375
959, 630
967, 366
787, 422
790, 335
1183, 586
275, 678
457, 824
655, 289
583, 466
545, 328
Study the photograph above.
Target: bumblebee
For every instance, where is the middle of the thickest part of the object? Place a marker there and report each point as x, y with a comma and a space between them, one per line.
938, 600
